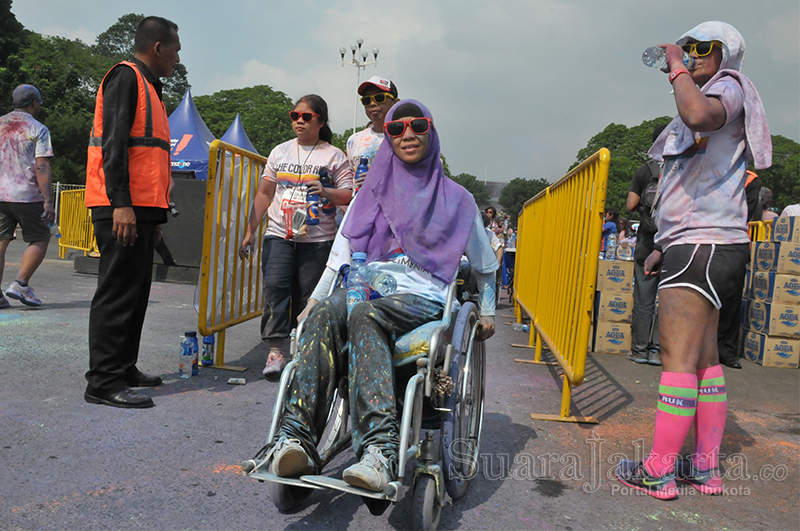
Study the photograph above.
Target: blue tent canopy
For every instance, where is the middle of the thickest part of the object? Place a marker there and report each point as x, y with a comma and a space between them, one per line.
190, 139
236, 136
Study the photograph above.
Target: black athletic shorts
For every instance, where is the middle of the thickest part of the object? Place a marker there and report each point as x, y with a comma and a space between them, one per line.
709, 269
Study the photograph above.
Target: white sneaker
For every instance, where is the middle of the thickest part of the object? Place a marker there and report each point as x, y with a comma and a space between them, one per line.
371, 473
289, 460
24, 294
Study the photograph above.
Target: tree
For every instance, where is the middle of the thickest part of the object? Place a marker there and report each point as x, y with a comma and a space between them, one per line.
475, 187
67, 75
628, 147
783, 177
517, 192
264, 113
13, 36
117, 44
340, 141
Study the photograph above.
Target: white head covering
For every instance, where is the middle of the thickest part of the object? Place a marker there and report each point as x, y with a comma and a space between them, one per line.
733, 47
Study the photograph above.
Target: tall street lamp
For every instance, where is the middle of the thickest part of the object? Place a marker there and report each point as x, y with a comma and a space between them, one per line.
359, 60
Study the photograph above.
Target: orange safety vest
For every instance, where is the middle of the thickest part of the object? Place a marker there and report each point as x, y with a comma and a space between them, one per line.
148, 150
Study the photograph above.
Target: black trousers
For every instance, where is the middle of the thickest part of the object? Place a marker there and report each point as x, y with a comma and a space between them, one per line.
119, 306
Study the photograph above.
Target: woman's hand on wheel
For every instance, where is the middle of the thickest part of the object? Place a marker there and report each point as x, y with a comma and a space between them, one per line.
485, 328
310, 304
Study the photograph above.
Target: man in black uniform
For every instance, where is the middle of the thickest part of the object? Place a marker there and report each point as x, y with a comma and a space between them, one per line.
127, 188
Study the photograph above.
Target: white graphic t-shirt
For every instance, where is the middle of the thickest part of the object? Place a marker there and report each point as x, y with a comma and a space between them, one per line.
363, 144
291, 166
22, 139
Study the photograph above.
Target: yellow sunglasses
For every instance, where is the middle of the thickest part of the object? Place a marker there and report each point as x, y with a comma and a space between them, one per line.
379, 98
700, 48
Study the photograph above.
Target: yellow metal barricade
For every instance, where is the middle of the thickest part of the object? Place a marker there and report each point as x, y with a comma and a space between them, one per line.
230, 288
760, 231
558, 244
75, 223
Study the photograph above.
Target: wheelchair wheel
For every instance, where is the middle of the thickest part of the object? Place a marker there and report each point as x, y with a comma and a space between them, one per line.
286, 497
461, 427
427, 505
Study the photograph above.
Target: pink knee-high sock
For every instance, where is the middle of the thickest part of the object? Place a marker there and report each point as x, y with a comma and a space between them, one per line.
677, 402
712, 409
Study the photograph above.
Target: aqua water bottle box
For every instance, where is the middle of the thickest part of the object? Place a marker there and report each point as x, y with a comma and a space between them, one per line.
775, 288
774, 319
777, 257
615, 307
613, 338
771, 351
615, 275
786, 229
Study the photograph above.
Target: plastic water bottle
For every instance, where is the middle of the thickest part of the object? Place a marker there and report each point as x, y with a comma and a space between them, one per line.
54, 230
327, 207
313, 208
208, 351
611, 247
656, 57
363, 167
381, 282
357, 286
519, 327
186, 357
195, 352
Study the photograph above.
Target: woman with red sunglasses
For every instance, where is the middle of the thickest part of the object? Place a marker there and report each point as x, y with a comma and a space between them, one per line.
421, 248
294, 251
702, 243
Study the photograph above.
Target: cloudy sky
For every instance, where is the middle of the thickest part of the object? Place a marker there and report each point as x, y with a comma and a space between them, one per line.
516, 87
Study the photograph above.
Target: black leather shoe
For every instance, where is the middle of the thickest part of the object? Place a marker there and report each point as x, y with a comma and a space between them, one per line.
733, 363
143, 380
127, 398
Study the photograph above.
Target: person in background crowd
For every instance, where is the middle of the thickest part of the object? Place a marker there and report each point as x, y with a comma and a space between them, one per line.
766, 204
623, 228
128, 176
25, 190
609, 227
702, 230
377, 95
729, 314
644, 321
791, 210
293, 251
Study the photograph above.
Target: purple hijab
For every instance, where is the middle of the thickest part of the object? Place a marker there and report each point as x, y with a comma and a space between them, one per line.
430, 215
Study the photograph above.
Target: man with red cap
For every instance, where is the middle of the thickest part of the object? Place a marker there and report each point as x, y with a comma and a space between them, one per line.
378, 94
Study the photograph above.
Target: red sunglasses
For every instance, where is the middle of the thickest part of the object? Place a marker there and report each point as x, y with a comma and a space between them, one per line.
419, 126
307, 116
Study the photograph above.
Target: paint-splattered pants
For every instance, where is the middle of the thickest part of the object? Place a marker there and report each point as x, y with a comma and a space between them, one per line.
322, 360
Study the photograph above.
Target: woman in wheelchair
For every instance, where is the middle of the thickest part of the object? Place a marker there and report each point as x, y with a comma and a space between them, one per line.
414, 223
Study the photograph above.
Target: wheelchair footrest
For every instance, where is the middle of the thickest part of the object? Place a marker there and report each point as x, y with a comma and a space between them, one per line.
389, 493
263, 475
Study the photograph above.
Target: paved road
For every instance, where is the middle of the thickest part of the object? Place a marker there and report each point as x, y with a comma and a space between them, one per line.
67, 464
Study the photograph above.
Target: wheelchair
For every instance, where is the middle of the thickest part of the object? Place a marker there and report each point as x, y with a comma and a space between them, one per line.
444, 394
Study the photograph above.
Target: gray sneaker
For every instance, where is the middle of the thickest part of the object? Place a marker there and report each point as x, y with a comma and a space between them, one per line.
654, 357
3, 301
636, 357
371, 473
24, 294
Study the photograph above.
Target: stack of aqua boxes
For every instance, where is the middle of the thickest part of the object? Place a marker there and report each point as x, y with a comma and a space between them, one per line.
771, 316
613, 306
